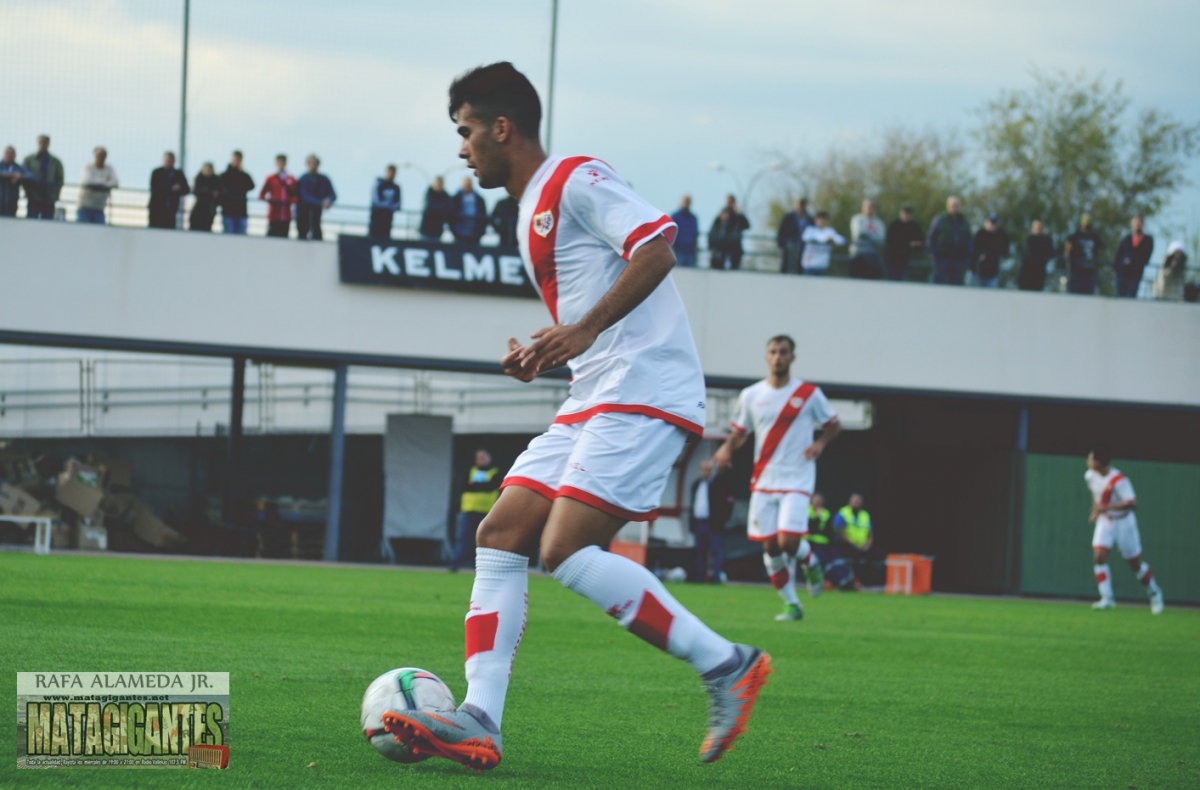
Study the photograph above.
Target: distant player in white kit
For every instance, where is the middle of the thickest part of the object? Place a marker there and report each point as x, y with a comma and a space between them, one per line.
782, 412
1113, 503
600, 256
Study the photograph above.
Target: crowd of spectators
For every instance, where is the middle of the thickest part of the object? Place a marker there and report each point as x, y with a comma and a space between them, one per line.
807, 241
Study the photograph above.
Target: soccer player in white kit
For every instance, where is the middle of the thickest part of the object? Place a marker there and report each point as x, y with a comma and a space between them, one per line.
600, 257
1113, 503
782, 413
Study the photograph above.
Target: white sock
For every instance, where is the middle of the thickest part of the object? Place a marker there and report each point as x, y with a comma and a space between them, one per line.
1104, 582
791, 569
781, 577
1147, 579
494, 626
631, 594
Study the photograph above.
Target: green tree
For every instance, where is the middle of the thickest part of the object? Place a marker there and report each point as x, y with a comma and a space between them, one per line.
905, 167
1071, 144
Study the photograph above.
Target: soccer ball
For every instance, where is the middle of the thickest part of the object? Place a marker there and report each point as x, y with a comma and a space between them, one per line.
407, 688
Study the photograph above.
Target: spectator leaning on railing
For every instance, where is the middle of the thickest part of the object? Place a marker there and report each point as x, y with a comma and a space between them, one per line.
168, 185
236, 185
950, 244
45, 181
1082, 254
207, 189
96, 183
686, 235
438, 211
789, 237
1169, 285
819, 240
867, 237
904, 237
988, 249
11, 176
1133, 255
470, 214
279, 190
1039, 251
316, 194
505, 216
385, 202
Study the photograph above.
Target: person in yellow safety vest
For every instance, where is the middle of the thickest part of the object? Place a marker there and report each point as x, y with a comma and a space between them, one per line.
852, 525
824, 544
479, 495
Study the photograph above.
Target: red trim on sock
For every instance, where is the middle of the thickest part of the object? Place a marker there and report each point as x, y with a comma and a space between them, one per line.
578, 494
652, 621
531, 484
1101, 577
779, 578
481, 632
1145, 580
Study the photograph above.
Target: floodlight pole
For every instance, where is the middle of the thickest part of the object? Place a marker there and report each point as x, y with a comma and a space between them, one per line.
337, 460
187, 13
553, 58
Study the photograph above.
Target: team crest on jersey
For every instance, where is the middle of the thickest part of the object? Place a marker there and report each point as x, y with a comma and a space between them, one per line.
796, 403
543, 223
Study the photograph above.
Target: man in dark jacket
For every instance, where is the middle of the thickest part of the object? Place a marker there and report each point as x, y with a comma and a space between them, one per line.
43, 186
11, 176
725, 236
1082, 253
470, 214
989, 248
439, 210
711, 507
686, 235
788, 237
1133, 253
950, 243
385, 202
168, 185
904, 237
315, 195
1039, 251
236, 184
505, 215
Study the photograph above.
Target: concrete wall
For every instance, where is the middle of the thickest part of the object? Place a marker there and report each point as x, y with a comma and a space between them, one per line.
271, 295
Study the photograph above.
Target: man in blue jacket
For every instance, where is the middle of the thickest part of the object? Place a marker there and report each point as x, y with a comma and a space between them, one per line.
470, 214
385, 202
687, 234
316, 194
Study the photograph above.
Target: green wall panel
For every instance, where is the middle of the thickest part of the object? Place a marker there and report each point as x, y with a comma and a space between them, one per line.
1056, 555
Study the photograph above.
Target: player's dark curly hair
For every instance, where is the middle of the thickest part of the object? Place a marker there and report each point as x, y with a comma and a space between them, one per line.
1101, 453
496, 90
784, 339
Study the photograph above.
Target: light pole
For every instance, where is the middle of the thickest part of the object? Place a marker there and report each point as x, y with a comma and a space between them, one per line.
187, 13
550, 92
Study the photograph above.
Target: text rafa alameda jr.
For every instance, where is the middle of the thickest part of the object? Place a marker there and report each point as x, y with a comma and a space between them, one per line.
133, 728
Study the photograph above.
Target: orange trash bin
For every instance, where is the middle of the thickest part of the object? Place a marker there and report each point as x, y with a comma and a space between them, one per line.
909, 574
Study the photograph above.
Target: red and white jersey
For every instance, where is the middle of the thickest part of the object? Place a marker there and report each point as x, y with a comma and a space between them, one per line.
1109, 488
580, 224
783, 421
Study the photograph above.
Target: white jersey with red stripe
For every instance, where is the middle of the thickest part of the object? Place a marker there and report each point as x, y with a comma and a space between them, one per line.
1109, 488
783, 421
580, 224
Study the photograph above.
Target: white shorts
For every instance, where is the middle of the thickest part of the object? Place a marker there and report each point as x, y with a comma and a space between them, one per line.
771, 513
615, 462
1122, 532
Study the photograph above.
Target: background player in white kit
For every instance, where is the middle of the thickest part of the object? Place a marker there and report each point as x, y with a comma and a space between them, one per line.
1113, 503
600, 257
782, 413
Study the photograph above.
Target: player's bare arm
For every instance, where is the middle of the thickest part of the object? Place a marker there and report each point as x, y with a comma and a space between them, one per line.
828, 434
723, 457
554, 345
511, 362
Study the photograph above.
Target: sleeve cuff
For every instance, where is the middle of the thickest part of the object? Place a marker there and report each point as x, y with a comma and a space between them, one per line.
737, 427
664, 225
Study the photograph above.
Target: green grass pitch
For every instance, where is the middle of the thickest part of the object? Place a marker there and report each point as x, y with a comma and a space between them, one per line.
868, 692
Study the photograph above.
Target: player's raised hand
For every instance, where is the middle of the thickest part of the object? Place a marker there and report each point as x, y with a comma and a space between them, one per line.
554, 345
511, 362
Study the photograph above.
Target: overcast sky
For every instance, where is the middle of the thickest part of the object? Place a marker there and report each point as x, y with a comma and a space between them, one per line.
660, 89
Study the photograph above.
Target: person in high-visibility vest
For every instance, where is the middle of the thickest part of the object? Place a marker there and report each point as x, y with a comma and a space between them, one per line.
852, 525
479, 495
